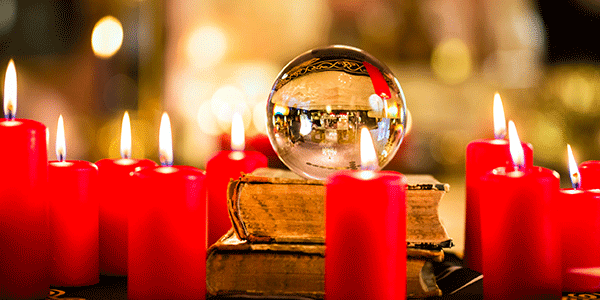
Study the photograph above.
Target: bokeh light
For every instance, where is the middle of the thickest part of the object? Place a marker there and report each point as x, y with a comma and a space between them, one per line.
451, 61
107, 37
206, 46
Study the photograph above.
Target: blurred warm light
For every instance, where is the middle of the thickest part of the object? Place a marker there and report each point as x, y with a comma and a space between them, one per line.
577, 89
107, 37
207, 120
409, 122
238, 140
573, 169
499, 118
126, 137
206, 46
368, 156
450, 149
451, 61
549, 137
8, 15
280, 110
61, 148
10, 91
516, 149
226, 101
256, 79
165, 141
259, 117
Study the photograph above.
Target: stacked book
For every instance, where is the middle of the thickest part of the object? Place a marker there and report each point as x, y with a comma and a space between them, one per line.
276, 247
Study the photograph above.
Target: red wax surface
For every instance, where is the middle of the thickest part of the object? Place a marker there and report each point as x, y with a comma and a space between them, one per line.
580, 245
520, 231
24, 255
590, 174
220, 169
167, 234
365, 234
114, 192
73, 223
482, 157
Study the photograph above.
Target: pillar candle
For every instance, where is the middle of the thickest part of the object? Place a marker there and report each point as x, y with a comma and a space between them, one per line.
167, 231
482, 156
580, 238
114, 192
590, 174
222, 168
520, 231
24, 255
73, 218
365, 233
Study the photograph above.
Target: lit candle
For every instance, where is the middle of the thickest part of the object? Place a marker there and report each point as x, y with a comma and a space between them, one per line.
73, 218
365, 231
483, 156
590, 174
220, 169
580, 234
114, 192
167, 229
520, 230
24, 255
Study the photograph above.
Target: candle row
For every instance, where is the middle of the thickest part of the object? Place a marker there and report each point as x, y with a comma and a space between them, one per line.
64, 222
527, 236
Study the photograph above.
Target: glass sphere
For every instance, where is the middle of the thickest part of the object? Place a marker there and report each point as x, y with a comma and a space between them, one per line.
322, 99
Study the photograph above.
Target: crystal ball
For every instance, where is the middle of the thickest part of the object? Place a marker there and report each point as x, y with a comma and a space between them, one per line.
320, 102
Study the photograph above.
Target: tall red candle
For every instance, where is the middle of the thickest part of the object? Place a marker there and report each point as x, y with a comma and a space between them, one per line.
483, 156
365, 233
580, 238
167, 230
24, 258
73, 218
220, 169
590, 174
114, 192
520, 231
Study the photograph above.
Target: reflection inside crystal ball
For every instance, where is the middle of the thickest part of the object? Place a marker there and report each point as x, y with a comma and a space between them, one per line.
322, 99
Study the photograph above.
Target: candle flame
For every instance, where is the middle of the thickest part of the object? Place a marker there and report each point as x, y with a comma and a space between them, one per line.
238, 142
368, 156
10, 91
165, 141
516, 149
61, 148
573, 169
126, 137
499, 119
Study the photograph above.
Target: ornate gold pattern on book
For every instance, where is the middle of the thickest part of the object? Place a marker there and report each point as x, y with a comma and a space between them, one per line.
315, 65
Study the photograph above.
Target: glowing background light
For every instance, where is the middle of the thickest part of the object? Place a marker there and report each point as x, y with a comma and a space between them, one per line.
206, 46
107, 37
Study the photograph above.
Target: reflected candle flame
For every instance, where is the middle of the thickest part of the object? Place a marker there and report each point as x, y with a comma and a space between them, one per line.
516, 149
165, 141
10, 91
238, 140
61, 148
573, 169
499, 119
368, 156
126, 137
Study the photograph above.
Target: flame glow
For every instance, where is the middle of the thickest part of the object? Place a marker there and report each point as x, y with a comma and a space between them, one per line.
573, 169
499, 119
368, 156
238, 140
10, 91
107, 37
126, 137
516, 149
61, 148
165, 141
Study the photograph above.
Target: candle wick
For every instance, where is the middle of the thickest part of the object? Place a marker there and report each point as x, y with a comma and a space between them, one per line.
500, 135
9, 115
61, 157
164, 161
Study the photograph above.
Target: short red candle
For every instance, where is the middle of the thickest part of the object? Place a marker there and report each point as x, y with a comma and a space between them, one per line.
167, 234
365, 234
73, 223
590, 174
114, 192
24, 255
220, 169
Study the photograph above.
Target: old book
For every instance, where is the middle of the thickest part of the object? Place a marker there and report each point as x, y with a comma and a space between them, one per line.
272, 205
240, 268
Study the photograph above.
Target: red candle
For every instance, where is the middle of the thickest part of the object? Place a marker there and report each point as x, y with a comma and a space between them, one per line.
590, 174
365, 231
580, 242
520, 230
222, 168
167, 230
483, 156
73, 218
114, 192
24, 252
